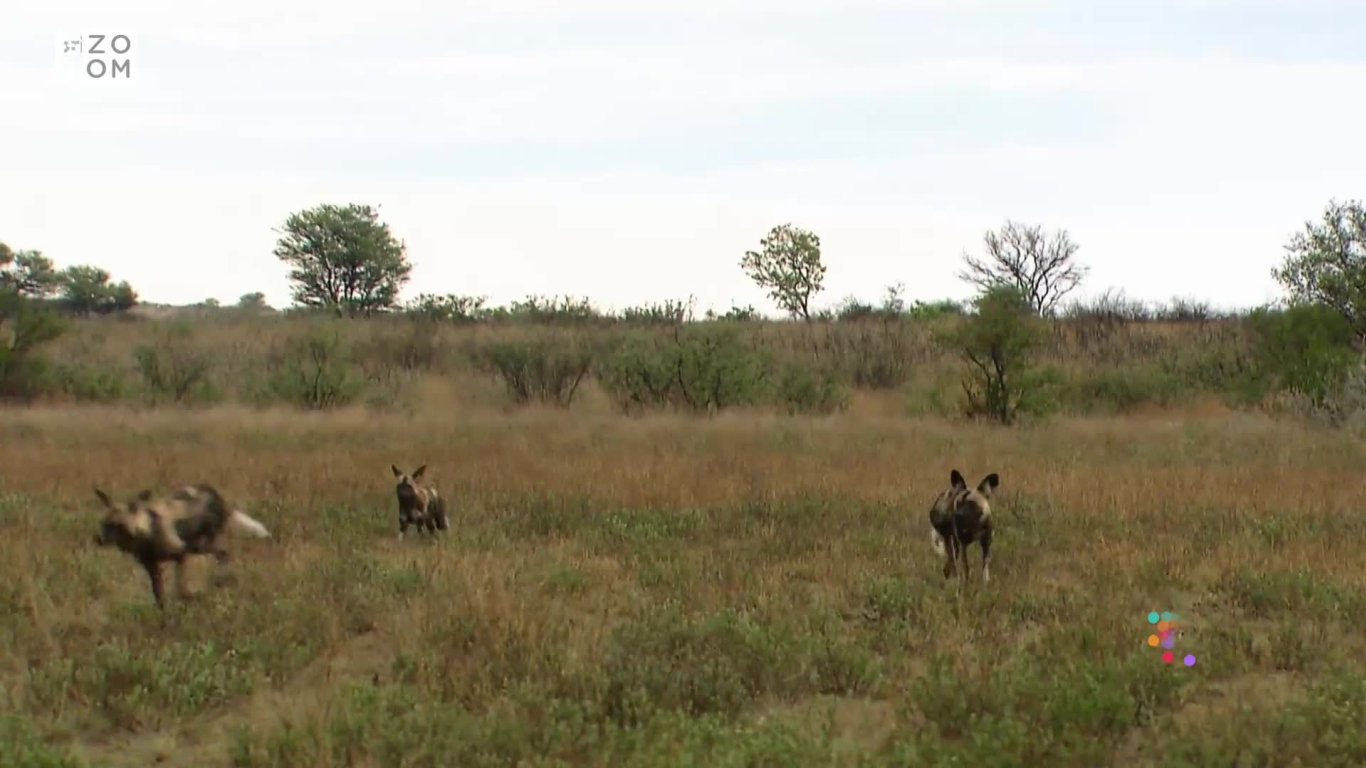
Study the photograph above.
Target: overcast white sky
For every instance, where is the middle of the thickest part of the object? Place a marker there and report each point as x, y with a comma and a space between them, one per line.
631, 151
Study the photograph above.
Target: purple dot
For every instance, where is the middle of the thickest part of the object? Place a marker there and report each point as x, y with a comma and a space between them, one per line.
1169, 642
1190, 660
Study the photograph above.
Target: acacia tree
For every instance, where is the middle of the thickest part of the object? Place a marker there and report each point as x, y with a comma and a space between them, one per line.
343, 258
86, 290
1326, 263
788, 264
1040, 265
28, 272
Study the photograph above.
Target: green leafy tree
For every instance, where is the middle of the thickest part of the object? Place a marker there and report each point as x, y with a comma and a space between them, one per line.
1326, 263
1040, 265
998, 343
86, 290
789, 266
28, 273
342, 258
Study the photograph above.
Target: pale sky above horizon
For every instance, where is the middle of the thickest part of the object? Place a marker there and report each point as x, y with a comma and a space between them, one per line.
632, 151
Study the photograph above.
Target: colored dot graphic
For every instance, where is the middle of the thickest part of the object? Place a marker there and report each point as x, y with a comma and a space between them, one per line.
1165, 624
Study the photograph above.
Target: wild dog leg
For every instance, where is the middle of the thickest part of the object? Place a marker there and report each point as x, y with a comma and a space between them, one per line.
154, 573
221, 558
986, 556
182, 588
950, 555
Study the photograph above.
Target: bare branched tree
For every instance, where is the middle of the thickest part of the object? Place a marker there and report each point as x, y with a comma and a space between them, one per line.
1039, 264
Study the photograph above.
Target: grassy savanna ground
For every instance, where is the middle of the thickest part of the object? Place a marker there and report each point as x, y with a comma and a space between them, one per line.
740, 590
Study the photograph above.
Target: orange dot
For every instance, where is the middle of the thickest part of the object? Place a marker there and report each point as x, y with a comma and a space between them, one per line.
1161, 626
1153, 640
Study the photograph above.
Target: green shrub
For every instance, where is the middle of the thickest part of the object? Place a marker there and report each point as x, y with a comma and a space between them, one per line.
313, 371
25, 325
718, 370
1118, 390
175, 368
804, 390
998, 343
1307, 348
86, 382
449, 308
700, 368
670, 312
745, 314
637, 374
548, 310
548, 367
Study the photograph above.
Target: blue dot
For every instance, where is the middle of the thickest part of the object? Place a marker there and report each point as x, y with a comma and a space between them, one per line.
1166, 615
1153, 617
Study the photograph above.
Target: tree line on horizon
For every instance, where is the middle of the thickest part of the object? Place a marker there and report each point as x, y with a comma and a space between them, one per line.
346, 263
343, 260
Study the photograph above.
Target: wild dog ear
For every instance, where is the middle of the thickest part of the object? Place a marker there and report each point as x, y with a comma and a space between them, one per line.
104, 498
988, 484
418, 474
956, 480
144, 495
397, 472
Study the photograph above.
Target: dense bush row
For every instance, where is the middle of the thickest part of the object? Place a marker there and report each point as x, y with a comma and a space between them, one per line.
992, 359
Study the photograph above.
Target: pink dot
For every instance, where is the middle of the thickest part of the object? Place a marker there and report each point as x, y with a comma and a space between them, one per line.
1168, 656
1190, 660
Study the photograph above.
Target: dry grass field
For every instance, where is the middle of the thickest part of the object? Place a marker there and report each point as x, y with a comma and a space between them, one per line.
743, 590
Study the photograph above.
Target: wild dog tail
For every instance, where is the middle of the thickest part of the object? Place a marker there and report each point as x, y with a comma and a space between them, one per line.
937, 541
243, 523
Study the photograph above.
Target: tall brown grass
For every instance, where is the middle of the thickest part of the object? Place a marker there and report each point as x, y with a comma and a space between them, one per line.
747, 589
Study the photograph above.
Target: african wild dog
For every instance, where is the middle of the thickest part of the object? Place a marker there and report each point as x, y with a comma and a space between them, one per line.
155, 531
418, 505
959, 517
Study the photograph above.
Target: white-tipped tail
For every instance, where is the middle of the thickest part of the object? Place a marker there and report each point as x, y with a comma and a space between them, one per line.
937, 542
241, 521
